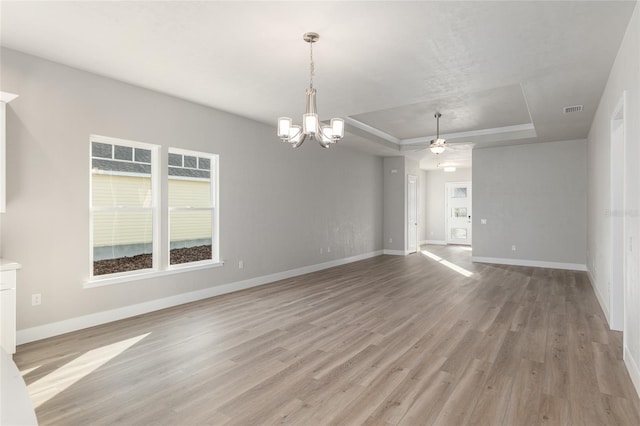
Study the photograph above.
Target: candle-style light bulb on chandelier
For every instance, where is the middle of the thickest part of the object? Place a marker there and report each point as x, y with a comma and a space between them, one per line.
437, 145
326, 135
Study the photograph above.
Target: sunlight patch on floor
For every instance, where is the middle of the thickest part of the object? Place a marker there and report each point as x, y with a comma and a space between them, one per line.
448, 264
29, 370
62, 378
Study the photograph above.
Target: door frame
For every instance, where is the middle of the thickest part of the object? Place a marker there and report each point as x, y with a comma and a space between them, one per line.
415, 209
617, 214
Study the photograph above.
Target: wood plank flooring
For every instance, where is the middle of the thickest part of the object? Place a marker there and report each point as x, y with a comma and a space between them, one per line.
388, 340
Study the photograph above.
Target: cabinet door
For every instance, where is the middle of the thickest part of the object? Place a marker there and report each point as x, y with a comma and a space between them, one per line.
8, 311
3, 154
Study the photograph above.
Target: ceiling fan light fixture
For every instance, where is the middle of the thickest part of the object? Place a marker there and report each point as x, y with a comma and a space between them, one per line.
436, 147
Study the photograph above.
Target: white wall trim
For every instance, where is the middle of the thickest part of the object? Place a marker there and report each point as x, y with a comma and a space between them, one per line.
436, 242
395, 252
632, 367
534, 263
601, 300
61, 327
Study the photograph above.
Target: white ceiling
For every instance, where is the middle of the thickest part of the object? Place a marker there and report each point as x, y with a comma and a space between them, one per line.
499, 72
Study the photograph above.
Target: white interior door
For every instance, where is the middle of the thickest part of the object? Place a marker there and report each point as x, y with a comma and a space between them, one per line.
458, 214
412, 214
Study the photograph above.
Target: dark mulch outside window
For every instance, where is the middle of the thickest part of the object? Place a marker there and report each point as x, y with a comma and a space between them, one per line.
144, 261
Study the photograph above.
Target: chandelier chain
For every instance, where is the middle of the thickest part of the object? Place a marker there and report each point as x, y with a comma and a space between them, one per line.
312, 68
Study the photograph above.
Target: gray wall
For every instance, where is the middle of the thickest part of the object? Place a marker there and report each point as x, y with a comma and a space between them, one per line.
534, 197
394, 203
278, 206
624, 78
434, 221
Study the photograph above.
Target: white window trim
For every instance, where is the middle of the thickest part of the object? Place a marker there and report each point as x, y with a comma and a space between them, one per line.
155, 196
215, 213
157, 177
142, 274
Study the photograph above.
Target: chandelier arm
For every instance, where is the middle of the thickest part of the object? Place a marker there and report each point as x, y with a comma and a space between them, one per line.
297, 144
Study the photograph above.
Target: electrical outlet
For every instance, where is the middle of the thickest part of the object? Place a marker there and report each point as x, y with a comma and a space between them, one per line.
36, 299
328, 249
240, 264
483, 221
390, 240
513, 248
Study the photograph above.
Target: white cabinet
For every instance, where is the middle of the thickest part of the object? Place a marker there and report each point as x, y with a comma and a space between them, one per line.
5, 98
8, 305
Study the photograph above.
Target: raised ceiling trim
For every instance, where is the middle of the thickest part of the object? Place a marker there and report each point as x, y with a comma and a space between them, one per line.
518, 131
472, 133
372, 130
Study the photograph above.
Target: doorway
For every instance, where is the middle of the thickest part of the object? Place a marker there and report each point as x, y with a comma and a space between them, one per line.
458, 212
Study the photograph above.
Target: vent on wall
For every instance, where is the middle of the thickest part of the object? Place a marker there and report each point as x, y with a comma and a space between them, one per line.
574, 108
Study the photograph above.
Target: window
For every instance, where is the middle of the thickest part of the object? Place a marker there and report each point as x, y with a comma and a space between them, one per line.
125, 210
459, 193
124, 188
459, 212
192, 189
458, 233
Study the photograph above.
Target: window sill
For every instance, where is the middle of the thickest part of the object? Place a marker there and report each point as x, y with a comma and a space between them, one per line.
136, 276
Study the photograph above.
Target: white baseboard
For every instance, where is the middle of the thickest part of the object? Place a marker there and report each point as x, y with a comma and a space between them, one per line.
395, 252
633, 369
436, 242
604, 305
534, 263
61, 327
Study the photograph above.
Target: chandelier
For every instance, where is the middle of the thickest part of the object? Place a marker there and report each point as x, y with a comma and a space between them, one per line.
326, 135
437, 145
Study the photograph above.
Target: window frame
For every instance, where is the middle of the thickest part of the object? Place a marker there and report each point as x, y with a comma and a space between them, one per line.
159, 179
155, 195
214, 208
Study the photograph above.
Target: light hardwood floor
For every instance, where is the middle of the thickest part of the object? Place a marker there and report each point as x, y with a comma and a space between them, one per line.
388, 340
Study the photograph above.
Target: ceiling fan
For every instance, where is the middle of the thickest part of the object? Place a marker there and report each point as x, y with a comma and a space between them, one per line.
437, 145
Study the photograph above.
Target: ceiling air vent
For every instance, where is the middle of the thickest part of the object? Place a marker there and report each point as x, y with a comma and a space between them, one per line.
575, 108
